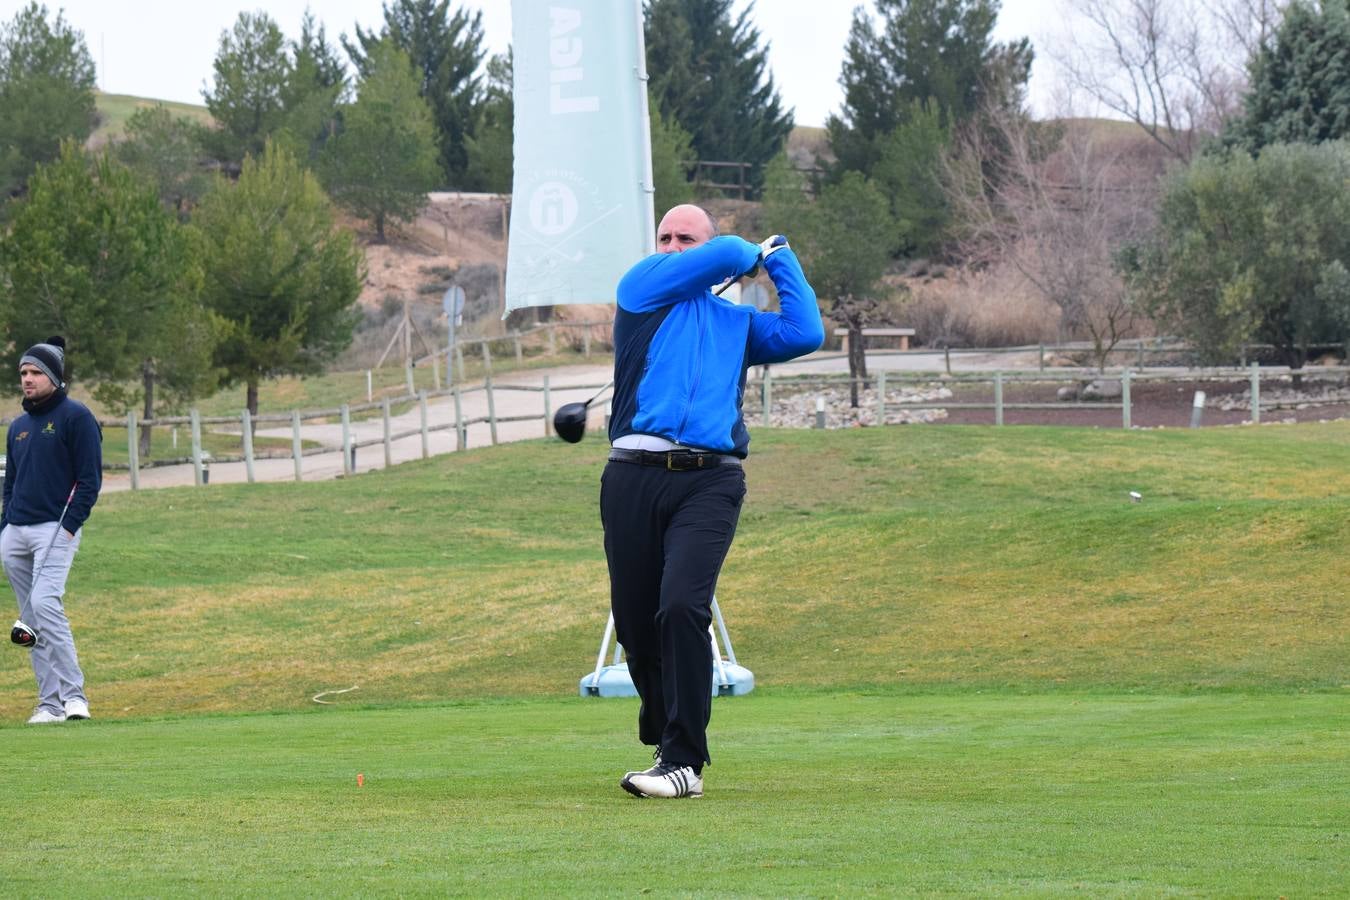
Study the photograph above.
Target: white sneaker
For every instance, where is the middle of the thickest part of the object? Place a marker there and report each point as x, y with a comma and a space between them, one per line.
667, 780
77, 709
42, 717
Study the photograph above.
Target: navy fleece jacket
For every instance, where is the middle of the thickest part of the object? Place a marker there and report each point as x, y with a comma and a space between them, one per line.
49, 449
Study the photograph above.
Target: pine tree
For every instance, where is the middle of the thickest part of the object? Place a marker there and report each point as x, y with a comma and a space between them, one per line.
248, 97
383, 162
937, 54
167, 151
278, 270
92, 255
313, 91
710, 73
448, 51
490, 150
46, 92
1300, 81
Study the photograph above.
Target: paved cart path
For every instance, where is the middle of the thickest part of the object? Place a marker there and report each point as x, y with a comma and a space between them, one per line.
566, 385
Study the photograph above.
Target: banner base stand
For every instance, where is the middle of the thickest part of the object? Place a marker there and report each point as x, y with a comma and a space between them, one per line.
730, 679
614, 681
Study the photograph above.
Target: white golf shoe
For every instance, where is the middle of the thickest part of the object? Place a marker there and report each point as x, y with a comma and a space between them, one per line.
666, 780
43, 717
77, 709
656, 761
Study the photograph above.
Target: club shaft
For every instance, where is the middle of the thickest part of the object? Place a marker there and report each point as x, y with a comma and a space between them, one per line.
59, 520
599, 392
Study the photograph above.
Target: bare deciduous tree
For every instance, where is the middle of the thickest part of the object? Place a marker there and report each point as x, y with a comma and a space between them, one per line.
1058, 215
1176, 68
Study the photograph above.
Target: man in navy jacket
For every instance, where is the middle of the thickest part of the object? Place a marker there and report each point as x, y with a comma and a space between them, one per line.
53, 472
671, 493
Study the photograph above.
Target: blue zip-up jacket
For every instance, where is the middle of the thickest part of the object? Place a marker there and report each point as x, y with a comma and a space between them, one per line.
48, 451
681, 352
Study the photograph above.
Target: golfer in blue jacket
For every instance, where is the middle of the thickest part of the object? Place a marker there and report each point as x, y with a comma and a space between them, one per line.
671, 493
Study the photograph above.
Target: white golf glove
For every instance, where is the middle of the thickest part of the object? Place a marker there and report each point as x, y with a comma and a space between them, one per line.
772, 244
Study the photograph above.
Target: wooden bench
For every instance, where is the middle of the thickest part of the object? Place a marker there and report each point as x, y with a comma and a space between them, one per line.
904, 334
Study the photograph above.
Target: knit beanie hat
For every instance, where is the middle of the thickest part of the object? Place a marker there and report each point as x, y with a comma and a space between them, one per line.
50, 357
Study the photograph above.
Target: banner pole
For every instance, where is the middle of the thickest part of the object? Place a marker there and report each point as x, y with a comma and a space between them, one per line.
649, 186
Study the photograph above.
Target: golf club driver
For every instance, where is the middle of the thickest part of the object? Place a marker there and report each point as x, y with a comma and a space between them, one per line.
21, 634
570, 420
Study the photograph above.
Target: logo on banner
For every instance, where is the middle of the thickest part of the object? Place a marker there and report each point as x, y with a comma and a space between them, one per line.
555, 211
553, 208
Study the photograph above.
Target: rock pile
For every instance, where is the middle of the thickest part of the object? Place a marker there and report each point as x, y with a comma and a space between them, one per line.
798, 410
1320, 394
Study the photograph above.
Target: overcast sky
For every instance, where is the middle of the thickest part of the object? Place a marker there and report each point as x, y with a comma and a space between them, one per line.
163, 49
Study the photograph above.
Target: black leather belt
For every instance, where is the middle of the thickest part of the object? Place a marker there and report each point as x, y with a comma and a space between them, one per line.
674, 460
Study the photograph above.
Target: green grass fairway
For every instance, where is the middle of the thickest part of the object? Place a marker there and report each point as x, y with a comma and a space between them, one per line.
981, 670
811, 794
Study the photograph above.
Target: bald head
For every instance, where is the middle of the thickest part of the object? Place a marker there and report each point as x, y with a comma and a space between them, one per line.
683, 228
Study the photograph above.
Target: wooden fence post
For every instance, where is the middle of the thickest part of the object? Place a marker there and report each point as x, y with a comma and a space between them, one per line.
881, 397
767, 394
388, 442
348, 452
1125, 399
492, 409
297, 452
460, 437
422, 405
247, 421
998, 398
133, 450
547, 412
1256, 393
197, 478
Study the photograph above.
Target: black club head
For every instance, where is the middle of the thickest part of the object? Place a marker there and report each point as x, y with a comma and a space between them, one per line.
22, 635
570, 422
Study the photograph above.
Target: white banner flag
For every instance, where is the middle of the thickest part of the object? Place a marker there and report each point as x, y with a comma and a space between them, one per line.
582, 198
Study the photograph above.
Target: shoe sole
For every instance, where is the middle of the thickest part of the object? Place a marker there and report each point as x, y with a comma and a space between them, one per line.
77, 718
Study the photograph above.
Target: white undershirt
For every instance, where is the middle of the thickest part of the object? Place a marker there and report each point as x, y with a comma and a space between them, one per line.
646, 442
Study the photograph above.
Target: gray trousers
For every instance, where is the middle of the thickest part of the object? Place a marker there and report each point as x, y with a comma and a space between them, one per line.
39, 584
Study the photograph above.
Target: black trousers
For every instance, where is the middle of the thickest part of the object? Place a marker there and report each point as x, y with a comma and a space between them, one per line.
666, 535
